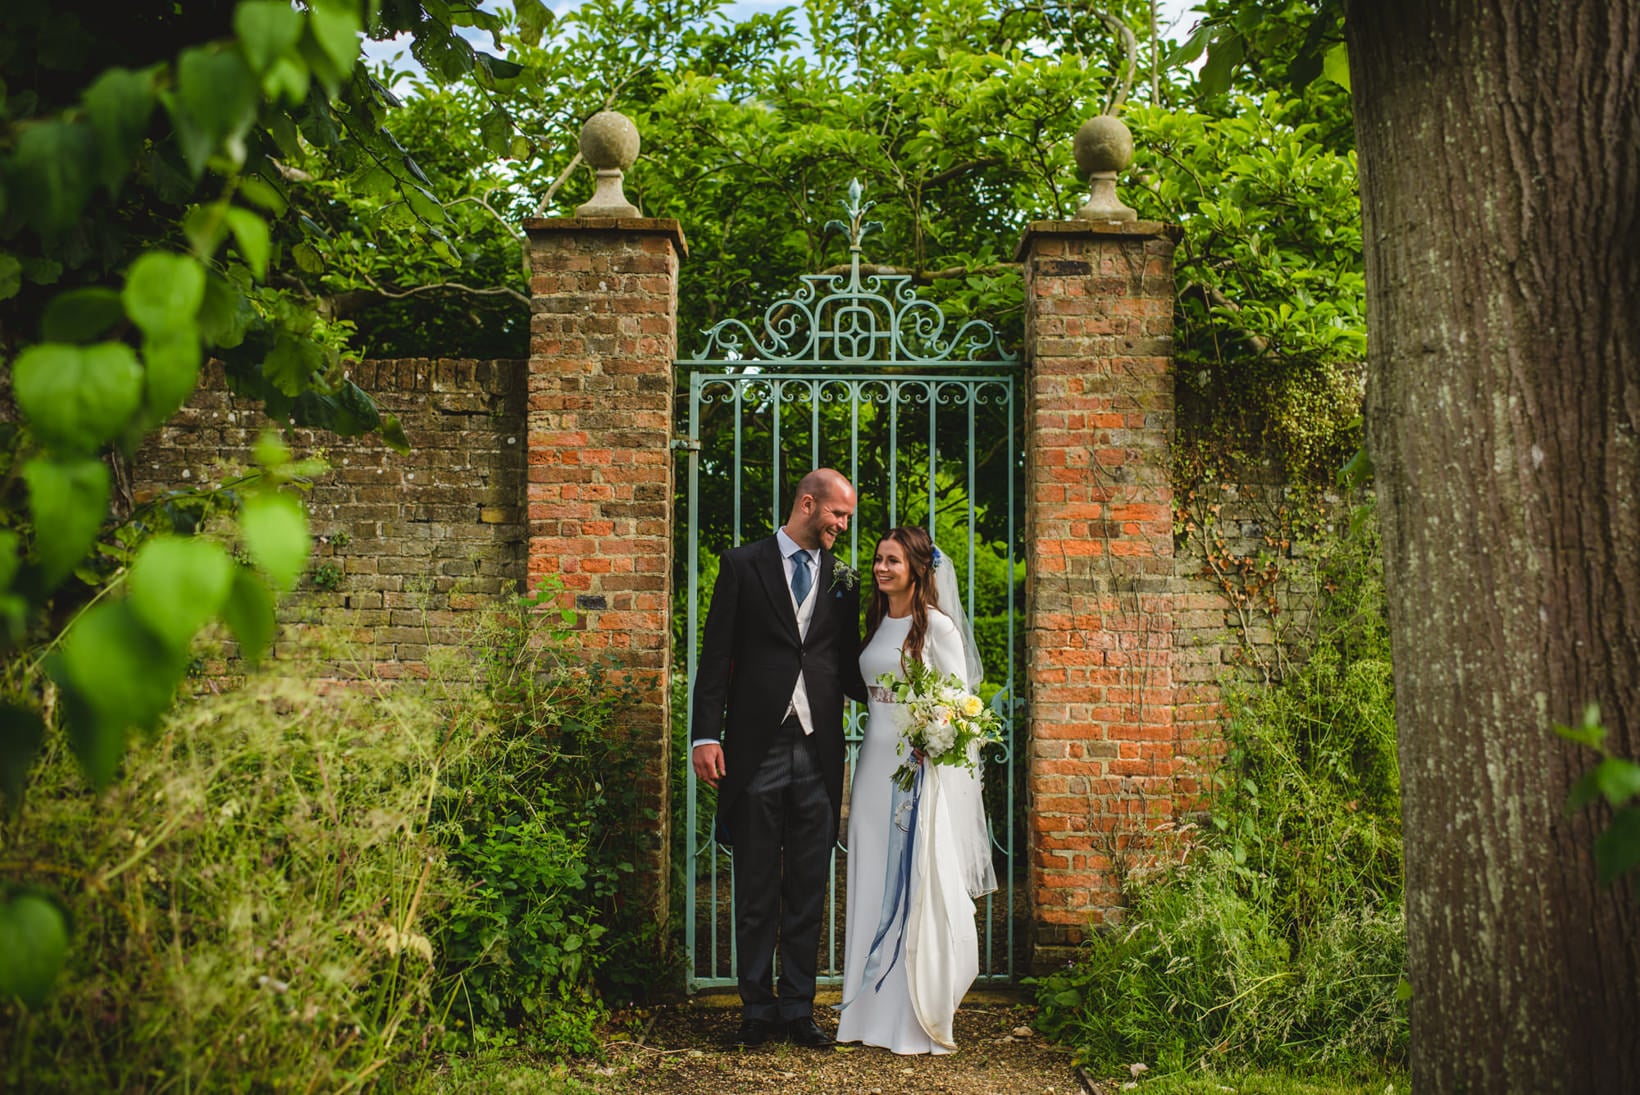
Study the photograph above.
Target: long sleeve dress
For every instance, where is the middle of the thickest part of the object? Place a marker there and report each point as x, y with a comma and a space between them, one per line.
913, 1009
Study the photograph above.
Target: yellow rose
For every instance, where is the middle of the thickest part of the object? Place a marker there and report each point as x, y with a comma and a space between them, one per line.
971, 706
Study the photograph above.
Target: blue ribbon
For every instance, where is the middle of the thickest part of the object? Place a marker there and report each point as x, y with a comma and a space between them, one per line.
896, 908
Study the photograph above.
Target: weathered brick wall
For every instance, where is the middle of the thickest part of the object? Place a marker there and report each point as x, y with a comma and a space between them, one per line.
1101, 591
409, 546
603, 336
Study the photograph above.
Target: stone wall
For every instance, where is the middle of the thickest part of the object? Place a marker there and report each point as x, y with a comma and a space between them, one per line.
408, 546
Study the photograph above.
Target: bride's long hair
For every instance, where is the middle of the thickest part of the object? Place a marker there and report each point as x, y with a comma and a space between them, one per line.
919, 559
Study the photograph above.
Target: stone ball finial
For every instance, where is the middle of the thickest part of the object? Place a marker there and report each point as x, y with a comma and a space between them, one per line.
1103, 147
609, 139
609, 144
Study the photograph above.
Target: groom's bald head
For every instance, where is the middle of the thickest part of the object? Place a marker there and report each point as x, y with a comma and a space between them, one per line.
821, 509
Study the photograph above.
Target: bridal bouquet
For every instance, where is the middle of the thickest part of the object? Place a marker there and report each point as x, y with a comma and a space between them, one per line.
945, 719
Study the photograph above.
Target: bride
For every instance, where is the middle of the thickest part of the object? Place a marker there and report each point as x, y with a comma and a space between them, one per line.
903, 978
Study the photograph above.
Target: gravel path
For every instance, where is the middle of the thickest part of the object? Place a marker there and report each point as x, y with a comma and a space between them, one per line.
678, 1053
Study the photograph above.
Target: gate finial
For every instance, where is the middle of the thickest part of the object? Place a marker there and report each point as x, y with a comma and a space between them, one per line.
856, 227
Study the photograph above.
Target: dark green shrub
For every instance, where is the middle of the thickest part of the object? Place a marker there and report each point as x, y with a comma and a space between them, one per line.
539, 824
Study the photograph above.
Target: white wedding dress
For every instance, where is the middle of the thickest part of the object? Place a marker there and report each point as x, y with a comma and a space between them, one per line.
939, 957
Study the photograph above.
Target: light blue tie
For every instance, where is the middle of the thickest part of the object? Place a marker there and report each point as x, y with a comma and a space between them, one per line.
800, 575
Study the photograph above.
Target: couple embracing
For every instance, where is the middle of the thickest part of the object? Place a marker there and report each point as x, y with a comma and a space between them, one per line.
781, 651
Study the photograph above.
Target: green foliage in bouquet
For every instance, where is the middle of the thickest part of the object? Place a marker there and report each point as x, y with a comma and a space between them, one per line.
947, 724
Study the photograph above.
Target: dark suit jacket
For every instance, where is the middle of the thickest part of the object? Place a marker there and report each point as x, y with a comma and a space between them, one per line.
751, 655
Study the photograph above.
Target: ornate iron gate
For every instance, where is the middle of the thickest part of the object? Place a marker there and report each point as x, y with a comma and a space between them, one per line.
857, 372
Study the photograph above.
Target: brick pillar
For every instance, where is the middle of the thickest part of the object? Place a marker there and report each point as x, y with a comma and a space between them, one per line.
603, 336
1099, 538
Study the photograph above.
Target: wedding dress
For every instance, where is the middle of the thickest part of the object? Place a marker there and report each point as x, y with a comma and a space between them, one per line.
937, 959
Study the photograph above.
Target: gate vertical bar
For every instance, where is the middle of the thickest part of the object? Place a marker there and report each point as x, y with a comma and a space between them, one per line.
692, 656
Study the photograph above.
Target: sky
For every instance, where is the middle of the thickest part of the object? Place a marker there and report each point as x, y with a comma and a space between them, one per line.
1175, 16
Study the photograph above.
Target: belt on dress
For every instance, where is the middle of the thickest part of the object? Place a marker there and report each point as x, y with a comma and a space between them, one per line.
881, 694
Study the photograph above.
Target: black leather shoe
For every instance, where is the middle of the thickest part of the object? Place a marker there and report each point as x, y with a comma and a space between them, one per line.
805, 1032
752, 1032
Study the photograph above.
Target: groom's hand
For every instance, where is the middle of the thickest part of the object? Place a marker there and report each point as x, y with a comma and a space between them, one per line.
708, 759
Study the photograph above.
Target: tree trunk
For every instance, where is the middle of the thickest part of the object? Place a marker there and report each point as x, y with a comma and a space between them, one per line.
1500, 181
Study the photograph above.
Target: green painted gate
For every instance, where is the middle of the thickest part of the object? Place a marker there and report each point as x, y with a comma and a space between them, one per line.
857, 372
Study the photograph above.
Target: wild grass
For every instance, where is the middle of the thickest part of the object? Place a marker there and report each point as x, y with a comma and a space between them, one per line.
296, 887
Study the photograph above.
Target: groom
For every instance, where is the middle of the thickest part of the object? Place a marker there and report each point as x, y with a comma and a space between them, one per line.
781, 648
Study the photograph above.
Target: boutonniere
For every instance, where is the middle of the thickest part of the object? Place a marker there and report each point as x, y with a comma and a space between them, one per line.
843, 577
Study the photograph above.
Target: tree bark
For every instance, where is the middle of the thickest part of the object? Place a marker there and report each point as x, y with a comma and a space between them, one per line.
1500, 180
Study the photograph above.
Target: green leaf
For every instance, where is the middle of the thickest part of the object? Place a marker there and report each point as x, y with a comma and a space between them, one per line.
1191, 48
1617, 850
1618, 779
1223, 56
270, 451
225, 314
249, 614
292, 363
81, 315
77, 397
21, 732
206, 228
495, 129
288, 82
393, 434
499, 68
178, 584
259, 191
41, 271
173, 359
520, 148
1583, 792
336, 28
215, 104
1336, 65
53, 171
33, 946
274, 527
1589, 734
307, 258
533, 20
1356, 471
11, 276
163, 291
69, 500
115, 673
267, 29
119, 105
10, 542
425, 204
250, 232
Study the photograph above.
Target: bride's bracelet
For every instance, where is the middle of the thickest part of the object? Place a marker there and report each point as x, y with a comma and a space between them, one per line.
881, 694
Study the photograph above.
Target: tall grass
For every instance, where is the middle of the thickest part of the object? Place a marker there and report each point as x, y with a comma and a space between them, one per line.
250, 903
1279, 939
293, 888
